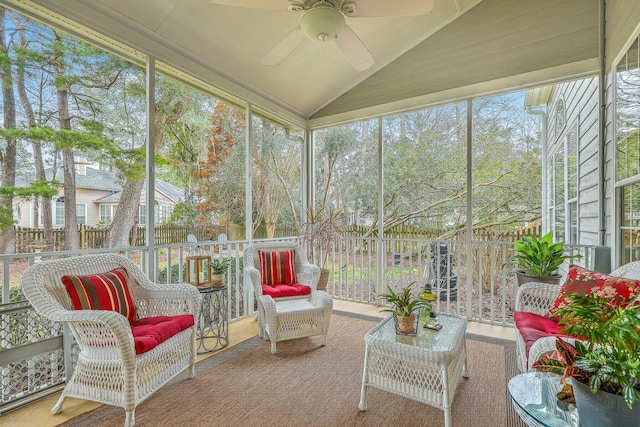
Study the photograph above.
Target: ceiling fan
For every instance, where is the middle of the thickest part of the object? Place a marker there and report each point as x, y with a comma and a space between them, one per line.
323, 21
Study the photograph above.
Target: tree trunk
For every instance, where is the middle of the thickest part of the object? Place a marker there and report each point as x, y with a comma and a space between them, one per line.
47, 219
7, 233
126, 214
71, 241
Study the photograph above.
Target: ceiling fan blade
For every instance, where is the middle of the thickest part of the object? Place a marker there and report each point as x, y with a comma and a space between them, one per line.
284, 48
354, 50
253, 4
381, 8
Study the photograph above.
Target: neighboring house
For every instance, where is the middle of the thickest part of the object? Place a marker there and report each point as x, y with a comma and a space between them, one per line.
97, 197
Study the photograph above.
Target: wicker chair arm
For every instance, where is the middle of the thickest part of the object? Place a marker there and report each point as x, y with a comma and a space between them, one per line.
322, 298
269, 306
535, 297
100, 333
545, 346
167, 300
308, 274
254, 275
630, 271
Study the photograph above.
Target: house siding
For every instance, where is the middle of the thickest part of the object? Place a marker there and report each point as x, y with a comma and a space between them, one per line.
581, 111
84, 196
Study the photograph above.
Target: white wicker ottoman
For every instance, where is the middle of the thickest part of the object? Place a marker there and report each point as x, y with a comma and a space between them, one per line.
426, 368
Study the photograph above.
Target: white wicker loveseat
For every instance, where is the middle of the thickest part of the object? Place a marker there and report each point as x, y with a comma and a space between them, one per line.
108, 369
538, 298
285, 317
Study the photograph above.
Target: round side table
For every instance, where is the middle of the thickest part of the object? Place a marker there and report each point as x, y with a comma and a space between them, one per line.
213, 321
533, 395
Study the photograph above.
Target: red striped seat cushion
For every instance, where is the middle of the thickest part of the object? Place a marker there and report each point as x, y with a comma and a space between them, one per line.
104, 291
277, 267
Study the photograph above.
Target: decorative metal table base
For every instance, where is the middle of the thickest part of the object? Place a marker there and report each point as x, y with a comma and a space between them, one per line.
213, 322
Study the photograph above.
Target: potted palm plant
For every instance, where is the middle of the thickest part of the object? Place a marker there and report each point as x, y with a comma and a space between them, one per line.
320, 232
604, 365
219, 267
538, 260
404, 307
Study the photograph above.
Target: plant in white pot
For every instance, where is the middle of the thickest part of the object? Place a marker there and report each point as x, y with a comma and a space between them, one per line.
538, 260
321, 232
604, 364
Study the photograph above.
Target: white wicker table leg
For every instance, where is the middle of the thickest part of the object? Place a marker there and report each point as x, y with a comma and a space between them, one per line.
363, 391
445, 396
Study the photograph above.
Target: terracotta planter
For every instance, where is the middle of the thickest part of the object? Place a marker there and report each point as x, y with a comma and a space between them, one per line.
601, 409
324, 279
522, 278
406, 324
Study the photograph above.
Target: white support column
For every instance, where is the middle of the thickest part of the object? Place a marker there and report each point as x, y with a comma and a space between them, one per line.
309, 164
150, 170
469, 239
248, 173
380, 252
248, 287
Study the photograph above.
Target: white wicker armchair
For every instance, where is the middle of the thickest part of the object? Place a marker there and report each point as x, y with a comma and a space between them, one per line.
538, 298
286, 318
108, 370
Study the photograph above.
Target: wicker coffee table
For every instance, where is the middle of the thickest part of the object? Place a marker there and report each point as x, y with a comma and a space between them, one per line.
426, 368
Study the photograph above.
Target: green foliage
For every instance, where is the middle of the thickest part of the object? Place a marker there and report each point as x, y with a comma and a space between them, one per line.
540, 257
15, 295
608, 357
402, 303
220, 265
175, 274
184, 214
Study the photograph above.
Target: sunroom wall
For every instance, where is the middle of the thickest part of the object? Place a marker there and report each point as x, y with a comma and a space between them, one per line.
580, 99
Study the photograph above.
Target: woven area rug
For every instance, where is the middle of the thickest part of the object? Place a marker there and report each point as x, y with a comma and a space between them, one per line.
306, 384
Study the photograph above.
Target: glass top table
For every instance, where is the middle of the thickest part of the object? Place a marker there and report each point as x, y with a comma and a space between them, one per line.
534, 399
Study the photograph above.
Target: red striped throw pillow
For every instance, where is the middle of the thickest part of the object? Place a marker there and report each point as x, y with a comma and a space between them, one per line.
277, 267
104, 291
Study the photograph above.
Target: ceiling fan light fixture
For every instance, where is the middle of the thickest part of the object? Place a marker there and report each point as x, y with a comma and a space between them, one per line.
322, 23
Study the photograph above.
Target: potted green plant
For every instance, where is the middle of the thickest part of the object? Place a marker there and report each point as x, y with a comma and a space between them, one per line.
219, 267
538, 260
605, 361
321, 231
403, 307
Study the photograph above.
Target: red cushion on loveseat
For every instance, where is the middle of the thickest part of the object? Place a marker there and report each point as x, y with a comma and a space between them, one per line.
534, 326
151, 331
284, 290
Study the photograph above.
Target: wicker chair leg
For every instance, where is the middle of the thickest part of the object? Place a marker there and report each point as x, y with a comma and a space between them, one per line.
273, 347
130, 419
57, 408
